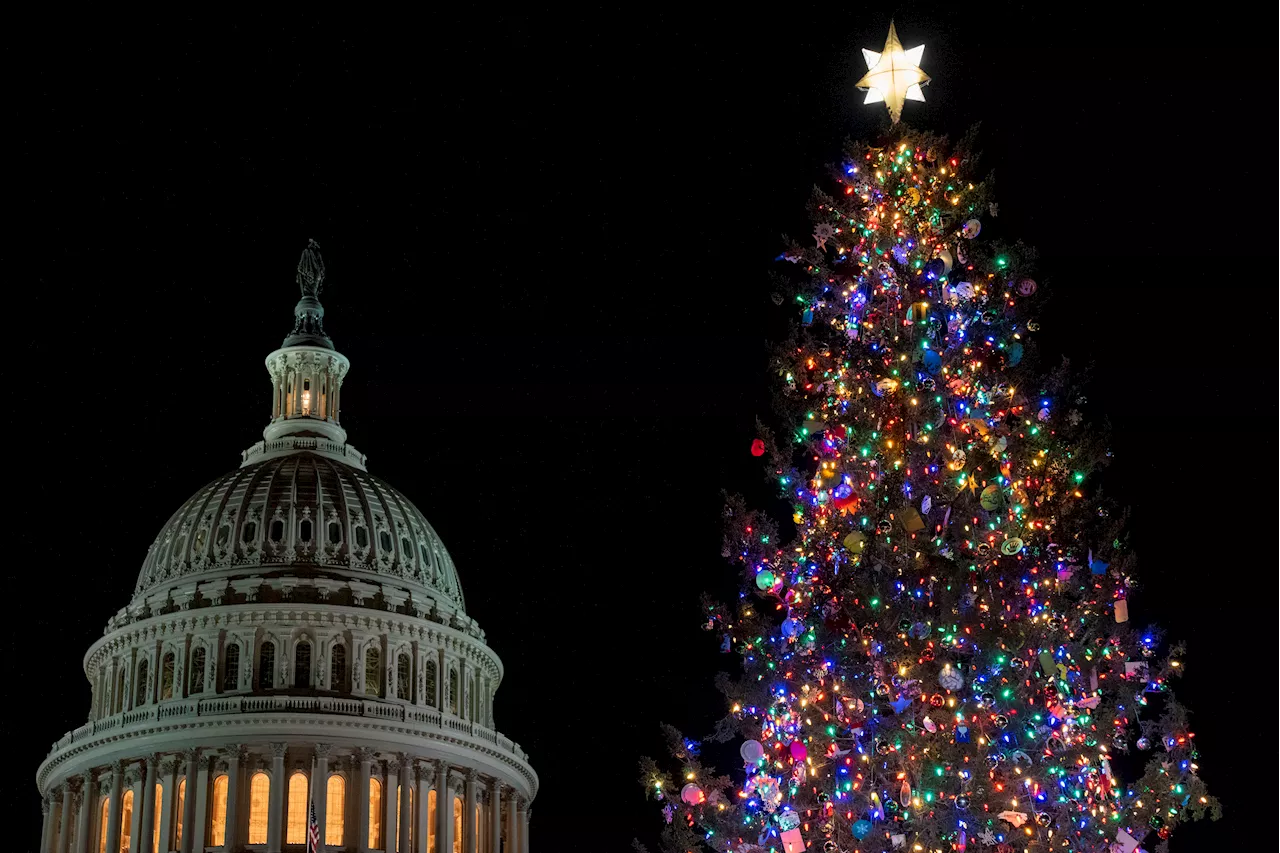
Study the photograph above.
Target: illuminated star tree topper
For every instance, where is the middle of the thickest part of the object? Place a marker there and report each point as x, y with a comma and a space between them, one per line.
893, 75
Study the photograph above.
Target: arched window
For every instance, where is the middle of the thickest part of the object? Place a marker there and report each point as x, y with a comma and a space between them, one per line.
302, 664
231, 671
338, 668
431, 819
155, 829
140, 688
126, 821
375, 814
457, 825
267, 666
102, 825
196, 681
218, 821
453, 690
166, 676
117, 698
335, 799
406, 549
180, 806
372, 671
429, 684
404, 675
295, 828
259, 804
224, 536
384, 541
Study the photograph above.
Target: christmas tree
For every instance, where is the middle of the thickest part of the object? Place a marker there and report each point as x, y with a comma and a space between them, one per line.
941, 657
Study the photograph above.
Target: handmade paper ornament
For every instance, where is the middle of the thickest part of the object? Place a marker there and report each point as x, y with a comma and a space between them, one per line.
885, 386
948, 261
1015, 818
950, 678
1011, 546
964, 291
692, 795
1046, 663
1122, 610
1026, 286
788, 819
893, 75
861, 829
1125, 843
751, 751
991, 498
917, 312
971, 229
911, 520
1014, 354
855, 542
757, 447
901, 704
929, 725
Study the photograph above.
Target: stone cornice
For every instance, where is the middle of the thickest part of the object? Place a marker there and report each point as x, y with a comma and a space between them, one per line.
458, 745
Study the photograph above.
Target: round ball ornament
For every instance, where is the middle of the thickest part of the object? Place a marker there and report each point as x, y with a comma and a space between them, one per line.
799, 752
765, 580
962, 803
1044, 818
971, 229
1144, 743
751, 751
861, 829
1026, 286
1011, 546
884, 527
757, 447
792, 628
855, 542
692, 795
932, 363
830, 846
883, 747
991, 498
950, 677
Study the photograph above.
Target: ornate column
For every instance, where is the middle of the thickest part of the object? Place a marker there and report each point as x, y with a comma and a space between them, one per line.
364, 759
113, 809
470, 827
275, 809
62, 831
144, 841
208, 766
524, 829
320, 789
87, 801
168, 802
444, 809
191, 756
134, 779
46, 828
421, 831
495, 815
234, 761
512, 834
406, 810
389, 800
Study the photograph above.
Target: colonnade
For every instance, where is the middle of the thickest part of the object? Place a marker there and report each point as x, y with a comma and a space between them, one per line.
251, 797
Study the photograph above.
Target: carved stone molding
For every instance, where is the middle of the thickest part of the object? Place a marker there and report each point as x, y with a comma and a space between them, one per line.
323, 750
190, 756
393, 765
278, 749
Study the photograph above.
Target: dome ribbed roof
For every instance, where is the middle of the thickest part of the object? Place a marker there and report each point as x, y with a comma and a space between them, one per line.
301, 514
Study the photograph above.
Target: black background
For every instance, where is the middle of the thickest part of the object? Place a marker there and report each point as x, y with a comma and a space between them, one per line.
548, 237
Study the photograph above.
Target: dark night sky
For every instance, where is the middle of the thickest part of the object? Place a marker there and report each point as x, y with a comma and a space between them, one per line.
548, 238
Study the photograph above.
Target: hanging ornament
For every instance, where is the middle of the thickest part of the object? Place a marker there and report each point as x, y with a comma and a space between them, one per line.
904, 793
948, 261
1011, 546
757, 447
692, 795
751, 751
765, 579
950, 677
1026, 286
799, 752
893, 75
855, 542
991, 498
861, 829
971, 229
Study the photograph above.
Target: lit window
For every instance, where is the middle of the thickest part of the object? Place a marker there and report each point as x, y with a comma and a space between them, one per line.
306, 396
431, 820
102, 826
155, 829
180, 806
403, 682
457, 825
218, 823
335, 800
296, 824
126, 821
259, 803
372, 669
166, 676
375, 814
197, 670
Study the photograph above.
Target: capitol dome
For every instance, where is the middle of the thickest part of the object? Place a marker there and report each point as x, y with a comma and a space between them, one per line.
297, 641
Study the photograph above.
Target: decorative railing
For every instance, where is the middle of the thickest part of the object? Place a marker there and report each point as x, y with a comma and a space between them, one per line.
290, 443
223, 705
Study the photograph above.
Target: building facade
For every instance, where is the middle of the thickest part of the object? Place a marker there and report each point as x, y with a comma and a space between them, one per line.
297, 640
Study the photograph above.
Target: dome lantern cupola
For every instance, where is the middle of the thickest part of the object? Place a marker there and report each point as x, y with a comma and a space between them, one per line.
306, 380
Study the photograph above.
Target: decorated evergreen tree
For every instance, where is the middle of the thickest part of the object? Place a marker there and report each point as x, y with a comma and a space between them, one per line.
941, 657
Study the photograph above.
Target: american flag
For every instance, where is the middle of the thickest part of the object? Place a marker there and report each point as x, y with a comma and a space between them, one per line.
313, 830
